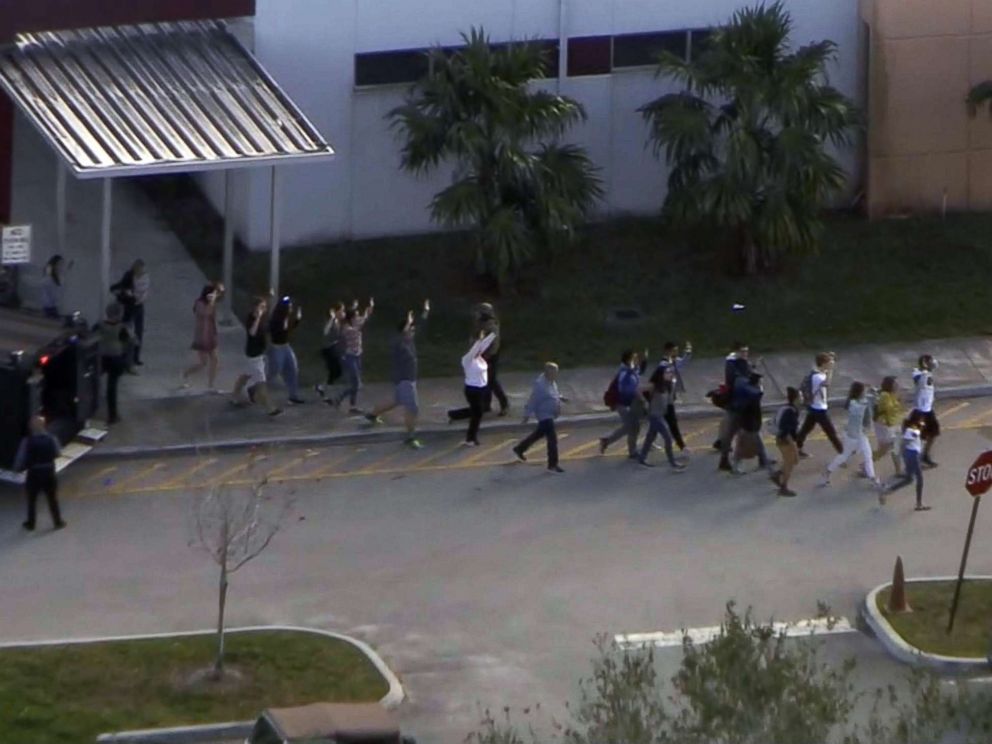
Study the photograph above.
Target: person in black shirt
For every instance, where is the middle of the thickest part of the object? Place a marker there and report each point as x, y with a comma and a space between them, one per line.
282, 359
786, 431
36, 456
253, 376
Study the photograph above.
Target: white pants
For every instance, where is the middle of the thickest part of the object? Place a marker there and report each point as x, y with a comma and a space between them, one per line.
852, 445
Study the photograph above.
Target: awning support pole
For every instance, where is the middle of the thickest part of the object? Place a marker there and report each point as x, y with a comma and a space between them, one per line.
228, 272
274, 231
60, 208
105, 245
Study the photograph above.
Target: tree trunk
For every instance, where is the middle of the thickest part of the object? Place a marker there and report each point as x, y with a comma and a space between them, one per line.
222, 603
748, 251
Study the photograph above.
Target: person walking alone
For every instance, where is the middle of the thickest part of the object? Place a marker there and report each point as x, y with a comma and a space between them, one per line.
282, 359
131, 292
672, 359
544, 405
205, 336
53, 287
476, 371
860, 413
662, 382
786, 429
815, 388
630, 404
889, 415
912, 449
115, 338
330, 350
36, 457
487, 322
404, 353
351, 360
923, 403
253, 378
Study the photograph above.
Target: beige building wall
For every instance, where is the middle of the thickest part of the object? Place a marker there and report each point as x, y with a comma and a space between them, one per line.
924, 56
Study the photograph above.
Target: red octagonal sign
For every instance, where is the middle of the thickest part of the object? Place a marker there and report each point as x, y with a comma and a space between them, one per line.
980, 475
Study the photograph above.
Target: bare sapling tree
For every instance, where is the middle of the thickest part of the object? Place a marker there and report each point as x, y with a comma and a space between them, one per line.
234, 526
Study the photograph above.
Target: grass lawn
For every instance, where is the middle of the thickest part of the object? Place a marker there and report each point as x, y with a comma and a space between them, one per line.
893, 280
73, 693
925, 627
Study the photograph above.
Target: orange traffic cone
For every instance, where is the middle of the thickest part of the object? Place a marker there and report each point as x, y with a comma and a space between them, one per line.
897, 599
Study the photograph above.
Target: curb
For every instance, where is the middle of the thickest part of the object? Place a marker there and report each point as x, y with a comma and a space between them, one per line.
233, 729
903, 651
386, 434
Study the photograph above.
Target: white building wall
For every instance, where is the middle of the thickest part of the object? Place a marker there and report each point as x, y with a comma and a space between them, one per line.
309, 47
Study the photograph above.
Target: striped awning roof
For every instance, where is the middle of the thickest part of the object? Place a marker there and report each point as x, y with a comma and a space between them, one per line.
155, 98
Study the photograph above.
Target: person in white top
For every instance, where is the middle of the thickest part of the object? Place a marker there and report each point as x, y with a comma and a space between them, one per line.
816, 403
860, 405
476, 383
912, 446
923, 403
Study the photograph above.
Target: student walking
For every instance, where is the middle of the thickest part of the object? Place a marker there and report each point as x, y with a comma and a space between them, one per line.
736, 366
351, 360
814, 390
404, 354
205, 336
671, 358
786, 429
923, 403
860, 413
253, 377
330, 350
629, 402
282, 359
662, 390
36, 457
912, 449
53, 287
487, 322
889, 414
747, 396
476, 371
544, 404
115, 338
131, 292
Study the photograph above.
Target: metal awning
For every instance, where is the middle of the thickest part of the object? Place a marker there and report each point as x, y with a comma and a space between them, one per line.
155, 98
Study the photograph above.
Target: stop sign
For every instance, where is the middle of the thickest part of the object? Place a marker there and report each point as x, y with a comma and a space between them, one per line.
979, 478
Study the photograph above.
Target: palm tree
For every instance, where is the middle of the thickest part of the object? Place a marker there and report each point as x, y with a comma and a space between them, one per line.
745, 139
519, 189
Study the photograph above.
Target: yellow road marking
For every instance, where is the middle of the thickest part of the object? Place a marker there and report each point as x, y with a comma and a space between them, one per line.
439, 454
99, 475
575, 451
954, 409
291, 464
327, 468
487, 451
223, 477
122, 485
187, 475
976, 421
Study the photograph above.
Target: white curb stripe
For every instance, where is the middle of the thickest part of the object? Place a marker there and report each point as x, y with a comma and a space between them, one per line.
798, 629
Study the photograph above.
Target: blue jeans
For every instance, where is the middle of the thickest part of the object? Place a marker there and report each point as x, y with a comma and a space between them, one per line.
656, 426
352, 365
911, 461
282, 362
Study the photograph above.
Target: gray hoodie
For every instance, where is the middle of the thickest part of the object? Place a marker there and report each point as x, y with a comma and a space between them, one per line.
545, 400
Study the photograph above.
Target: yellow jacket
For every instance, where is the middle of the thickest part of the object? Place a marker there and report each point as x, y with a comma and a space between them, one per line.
889, 410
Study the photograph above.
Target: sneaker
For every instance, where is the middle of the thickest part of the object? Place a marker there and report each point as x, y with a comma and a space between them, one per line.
603, 444
275, 412
355, 411
297, 401
29, 526
724, 465
677, 467
470, 443
685, 453
645, 463
786, 492
319, 389
658, 446
555, 469
804, 455
922, 507
372, 418
61, 525
414, 443
928, 463
634, 456
504, 411
519, 455
825, 481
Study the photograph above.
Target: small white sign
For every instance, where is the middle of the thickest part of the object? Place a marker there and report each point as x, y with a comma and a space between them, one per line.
16, 245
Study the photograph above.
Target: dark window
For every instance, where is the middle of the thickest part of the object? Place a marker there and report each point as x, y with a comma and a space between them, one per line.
698, 39
549, 53
589, 55
384, 68
639, 50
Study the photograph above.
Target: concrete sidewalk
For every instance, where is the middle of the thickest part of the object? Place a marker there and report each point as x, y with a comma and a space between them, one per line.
198, 420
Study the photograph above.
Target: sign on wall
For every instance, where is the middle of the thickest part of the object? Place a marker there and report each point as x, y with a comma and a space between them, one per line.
16, 244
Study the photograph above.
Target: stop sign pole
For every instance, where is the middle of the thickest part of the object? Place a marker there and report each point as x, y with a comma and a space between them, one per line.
978, 481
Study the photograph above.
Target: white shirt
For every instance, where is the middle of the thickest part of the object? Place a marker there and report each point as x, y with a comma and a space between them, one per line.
924, 390
818, 382
911, 439
476, 368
